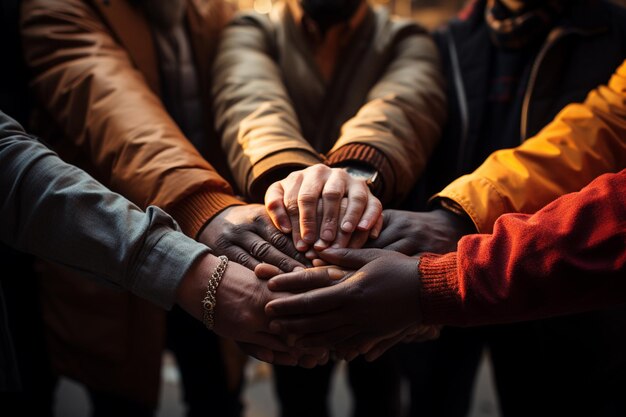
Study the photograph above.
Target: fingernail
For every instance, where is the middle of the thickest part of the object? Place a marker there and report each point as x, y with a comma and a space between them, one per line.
274, 327
327, 235
375, 234
285, 229
335, 274
309, 237
301, 246
298, 269
335, 246
364, 224
320, 245
347, 227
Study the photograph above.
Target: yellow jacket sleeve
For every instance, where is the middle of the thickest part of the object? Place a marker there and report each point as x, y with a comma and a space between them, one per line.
584, 141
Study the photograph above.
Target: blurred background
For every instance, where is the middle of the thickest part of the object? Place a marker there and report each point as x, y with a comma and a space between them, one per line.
430, 13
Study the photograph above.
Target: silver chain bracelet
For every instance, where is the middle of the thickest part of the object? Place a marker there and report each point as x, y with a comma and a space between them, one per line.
209, 301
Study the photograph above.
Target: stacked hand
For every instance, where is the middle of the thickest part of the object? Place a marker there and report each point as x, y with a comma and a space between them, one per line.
366, 307
239, 312
322, 206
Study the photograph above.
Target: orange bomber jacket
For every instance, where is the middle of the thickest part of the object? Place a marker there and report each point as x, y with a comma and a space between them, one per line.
584, 141
96, 80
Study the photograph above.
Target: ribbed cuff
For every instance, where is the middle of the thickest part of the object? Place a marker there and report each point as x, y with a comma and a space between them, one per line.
161, 270
440, 297
194, 211
260, 176
369, 155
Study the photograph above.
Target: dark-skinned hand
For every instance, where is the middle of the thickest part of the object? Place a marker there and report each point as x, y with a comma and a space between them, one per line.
378, 300
248, 237
410, 233
239, 312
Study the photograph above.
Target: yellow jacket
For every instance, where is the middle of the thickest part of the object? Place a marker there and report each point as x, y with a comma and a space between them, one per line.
584, 141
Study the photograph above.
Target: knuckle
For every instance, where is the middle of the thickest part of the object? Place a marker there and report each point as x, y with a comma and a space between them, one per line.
359, 197
285, 265
273, 204
260, 249
333, 195
242, 258
279, 241
292, 208
307, 198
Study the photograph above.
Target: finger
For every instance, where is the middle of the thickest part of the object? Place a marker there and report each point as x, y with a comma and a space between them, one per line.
263, 251
358, 239
266, 271
241, 256
328, 338
288, 256
319, 263
292, 188
357, 199
352, 258
308, 198
343, 238
375, 232
259, 352
382, 347
334, 190
267, 355
310, 324
275, 206
312, 302
267, 340
373, 211
305, 280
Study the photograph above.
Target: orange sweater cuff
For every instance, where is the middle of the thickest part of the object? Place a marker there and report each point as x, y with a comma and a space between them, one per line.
440, 296
194, 211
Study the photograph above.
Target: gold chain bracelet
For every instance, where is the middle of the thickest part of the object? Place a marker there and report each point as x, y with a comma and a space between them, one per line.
209, 301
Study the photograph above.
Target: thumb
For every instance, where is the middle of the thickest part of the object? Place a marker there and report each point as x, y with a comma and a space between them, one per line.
351, 258
266, 271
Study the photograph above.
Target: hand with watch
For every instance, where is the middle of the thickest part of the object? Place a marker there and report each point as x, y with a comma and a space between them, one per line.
324, 206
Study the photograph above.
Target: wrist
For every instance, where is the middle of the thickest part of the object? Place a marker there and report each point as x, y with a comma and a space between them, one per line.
369, 174
193, 285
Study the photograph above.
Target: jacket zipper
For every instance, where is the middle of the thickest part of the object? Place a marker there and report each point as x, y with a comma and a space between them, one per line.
553, 38
461, 97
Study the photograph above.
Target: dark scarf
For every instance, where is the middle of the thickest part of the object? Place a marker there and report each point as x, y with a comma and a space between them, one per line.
517, 30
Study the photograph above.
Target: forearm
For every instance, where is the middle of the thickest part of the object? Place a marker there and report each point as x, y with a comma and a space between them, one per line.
110, 114
58, 212
401, 120
568, 257
253, 112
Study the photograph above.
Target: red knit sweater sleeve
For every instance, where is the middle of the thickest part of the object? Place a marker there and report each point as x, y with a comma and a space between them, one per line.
568, 257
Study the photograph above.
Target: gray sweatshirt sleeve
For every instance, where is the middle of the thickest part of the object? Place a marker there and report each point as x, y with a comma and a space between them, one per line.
58, 212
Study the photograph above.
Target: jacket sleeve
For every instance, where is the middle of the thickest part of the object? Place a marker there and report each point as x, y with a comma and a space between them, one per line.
569, 257
399, 126
86, 82
584, 141
58, 212
253, 112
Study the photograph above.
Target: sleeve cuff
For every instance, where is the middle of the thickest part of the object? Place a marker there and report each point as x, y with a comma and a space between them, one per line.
478, 198
194, 211
164, 266
260, 176
369, 155
440, 296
